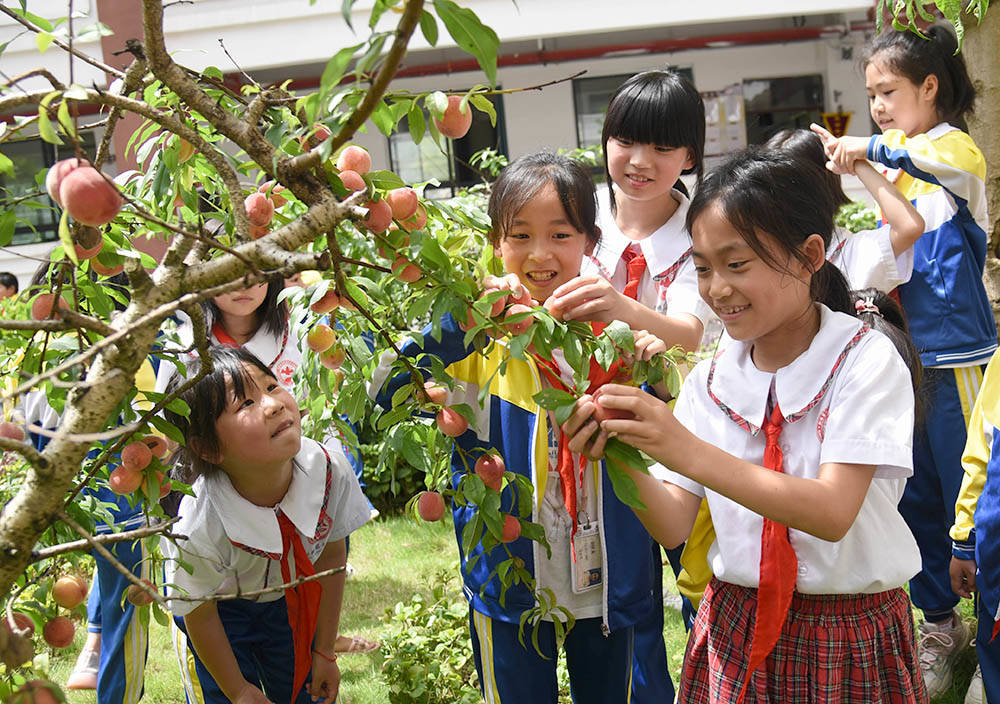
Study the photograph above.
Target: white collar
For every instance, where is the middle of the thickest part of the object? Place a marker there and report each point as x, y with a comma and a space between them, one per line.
263, 345
662, 249
940, 129
741, 390
256, 526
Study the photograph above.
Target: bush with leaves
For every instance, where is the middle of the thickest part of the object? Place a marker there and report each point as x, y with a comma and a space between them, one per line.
428, 658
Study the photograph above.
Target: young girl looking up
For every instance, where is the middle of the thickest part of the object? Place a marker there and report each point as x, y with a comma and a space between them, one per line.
798, 433
265, 499
919, 92
880, 258
542, 209
641, 272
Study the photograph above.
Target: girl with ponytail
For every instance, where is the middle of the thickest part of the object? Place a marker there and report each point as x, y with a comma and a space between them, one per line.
798, 432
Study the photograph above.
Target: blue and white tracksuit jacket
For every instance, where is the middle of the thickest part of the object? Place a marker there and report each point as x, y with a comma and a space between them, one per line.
943, 174
512, 423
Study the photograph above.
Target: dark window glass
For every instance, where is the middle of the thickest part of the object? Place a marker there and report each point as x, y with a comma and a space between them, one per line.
773, 104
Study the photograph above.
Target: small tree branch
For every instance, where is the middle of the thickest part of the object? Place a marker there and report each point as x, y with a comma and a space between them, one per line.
404, 30
61, 44
84, 437
44, 73
105, 539
131, 81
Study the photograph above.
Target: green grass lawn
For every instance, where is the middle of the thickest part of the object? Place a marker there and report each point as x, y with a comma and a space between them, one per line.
395, 558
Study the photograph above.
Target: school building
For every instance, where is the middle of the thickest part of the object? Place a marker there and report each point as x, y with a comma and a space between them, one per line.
761, 66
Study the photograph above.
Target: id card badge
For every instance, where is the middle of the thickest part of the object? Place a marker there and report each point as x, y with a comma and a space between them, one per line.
587, 571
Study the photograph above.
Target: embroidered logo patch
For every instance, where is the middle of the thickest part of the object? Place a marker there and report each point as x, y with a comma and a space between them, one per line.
821, 424
284, 371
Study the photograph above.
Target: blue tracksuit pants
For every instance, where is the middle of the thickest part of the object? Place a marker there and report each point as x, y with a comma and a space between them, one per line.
261, 640
600, 667
928, 504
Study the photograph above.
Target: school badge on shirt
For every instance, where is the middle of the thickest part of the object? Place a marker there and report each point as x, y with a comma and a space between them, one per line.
284, 371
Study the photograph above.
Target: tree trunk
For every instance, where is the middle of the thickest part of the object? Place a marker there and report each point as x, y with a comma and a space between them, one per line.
982, 55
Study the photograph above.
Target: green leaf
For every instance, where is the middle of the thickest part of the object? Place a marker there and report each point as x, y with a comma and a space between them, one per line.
40, 21
384, 180
551, 398
619, 456
416, 122
471, 35
43, 40
429, 27
336, 67
485, 105
8, 223
67, 239
345, 10
383, 118
65, 121
167, 428
621, 334
45, 128
180, 407
437, 103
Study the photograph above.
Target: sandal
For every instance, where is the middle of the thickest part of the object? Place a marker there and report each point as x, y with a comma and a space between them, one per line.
84, 674
354, 645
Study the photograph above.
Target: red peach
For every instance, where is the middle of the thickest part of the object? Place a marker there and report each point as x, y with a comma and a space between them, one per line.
103, 270
403, 202
451, 422
352, 181
416, 222
136, 455
37, 692
89, 197
490, 469
320, 337
57, 172
333, 358
259, 209
68, 593
454, 123
88, 243
379, 216
430, 506
405, 271
511, 529
139, 596
273, 191
318, 134
328, 302
156, 445
23, 623
354, 158
436, 393
186, 151
41, 307
256, 232
123, 480
12, 431
58, 632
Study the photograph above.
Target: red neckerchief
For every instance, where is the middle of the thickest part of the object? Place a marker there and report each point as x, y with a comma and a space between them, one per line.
635, 265
568, 479
301, 600
778, 566
226, 339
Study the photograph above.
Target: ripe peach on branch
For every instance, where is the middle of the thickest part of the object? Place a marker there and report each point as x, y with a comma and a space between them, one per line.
430, 506
455, 122
354, 158
58, 632
89, 197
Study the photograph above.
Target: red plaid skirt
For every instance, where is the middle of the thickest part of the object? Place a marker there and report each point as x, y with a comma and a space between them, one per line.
832, 648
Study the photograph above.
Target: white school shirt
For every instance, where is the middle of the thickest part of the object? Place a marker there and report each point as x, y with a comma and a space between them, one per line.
848, 399
867, 261
670, 284
234, 544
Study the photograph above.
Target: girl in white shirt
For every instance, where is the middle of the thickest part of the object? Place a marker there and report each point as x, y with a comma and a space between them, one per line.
268, 508
798, 432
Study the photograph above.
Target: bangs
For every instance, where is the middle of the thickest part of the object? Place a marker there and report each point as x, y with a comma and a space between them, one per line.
657, 107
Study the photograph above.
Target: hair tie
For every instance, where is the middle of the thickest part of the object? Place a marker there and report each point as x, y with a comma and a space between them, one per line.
867, 305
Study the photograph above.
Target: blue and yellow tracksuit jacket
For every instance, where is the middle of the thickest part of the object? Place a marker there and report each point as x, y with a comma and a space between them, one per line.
944, 175
976, 533
512, 423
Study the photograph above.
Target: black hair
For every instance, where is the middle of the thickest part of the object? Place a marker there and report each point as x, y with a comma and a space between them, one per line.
657, 107
271, 315
915, 58
772, 192
207, 399
890, 320
807, 146
521, 181
8, 280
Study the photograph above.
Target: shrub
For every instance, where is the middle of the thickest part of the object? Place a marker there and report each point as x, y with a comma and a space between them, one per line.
428, 654
855, 216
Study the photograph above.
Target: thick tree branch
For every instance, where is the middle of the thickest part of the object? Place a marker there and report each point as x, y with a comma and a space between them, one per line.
28, 452
404, 30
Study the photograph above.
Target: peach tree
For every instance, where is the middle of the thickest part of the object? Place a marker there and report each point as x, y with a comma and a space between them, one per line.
244, 184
